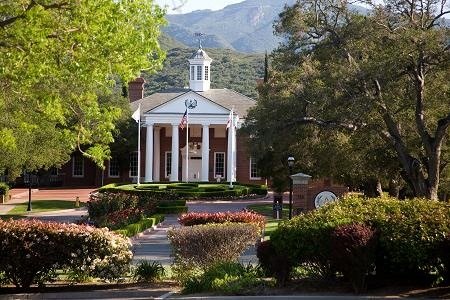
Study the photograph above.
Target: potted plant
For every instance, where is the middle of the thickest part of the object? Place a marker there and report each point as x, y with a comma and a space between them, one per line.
4, 189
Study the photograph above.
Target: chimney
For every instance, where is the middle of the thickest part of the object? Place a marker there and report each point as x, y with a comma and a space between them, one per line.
136, 89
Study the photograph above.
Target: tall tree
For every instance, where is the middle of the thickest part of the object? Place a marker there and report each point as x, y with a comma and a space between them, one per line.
59, 63
382, 78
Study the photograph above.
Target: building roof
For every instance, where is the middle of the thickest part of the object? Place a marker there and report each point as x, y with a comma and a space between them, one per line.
200, 54
224, 97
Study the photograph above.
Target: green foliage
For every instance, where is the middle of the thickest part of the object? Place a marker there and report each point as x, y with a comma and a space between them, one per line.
348, 93
132, 229
170, 192
410, 233
62, 67
171, 209
147, 271
202, 246
230, 278
237, 71
31, 251
4, 188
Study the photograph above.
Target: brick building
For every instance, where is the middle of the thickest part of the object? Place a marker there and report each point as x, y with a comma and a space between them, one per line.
216, 151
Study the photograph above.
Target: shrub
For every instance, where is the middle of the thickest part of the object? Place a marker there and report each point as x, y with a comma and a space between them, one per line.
135, 228
148, 271
409, 233
273, 263
4, 188
197, 218
102, 204
31, 251
205, 245
171, 209
354, 252
122, 217
225, 278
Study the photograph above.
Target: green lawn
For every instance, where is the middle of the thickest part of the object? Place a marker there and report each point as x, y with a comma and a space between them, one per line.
43, 205
267, 210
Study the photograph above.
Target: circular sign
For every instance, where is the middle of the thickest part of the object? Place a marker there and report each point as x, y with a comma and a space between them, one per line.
190, 103
323, 198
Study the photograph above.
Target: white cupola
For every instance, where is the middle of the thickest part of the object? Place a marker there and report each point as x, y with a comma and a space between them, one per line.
200, 71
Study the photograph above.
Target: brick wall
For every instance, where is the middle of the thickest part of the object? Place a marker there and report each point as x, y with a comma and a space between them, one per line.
304, 195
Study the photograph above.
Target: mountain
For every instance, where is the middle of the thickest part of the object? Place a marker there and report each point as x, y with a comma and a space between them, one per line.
245, 27
229, 69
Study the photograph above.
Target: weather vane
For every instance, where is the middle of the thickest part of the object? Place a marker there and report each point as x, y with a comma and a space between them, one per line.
199, 36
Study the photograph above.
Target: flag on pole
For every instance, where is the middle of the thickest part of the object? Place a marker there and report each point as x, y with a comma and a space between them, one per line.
137, 114
184, 120
230, 118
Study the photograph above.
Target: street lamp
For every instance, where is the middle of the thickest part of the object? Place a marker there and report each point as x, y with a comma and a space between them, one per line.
290, 161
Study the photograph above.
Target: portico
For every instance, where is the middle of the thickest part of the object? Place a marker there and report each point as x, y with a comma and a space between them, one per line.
206, 116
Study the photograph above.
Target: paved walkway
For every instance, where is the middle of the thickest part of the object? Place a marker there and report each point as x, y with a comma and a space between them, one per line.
154, 245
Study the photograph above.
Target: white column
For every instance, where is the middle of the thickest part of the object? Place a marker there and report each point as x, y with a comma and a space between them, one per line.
175, 153
205, 153
157, 154
229, 154
149, 154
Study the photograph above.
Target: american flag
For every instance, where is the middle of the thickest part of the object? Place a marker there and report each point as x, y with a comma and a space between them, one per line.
183, 121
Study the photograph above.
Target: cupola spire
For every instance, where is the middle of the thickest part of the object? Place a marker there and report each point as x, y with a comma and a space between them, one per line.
199, 69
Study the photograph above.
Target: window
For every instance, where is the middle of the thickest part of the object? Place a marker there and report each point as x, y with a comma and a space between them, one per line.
192, 72
206, 73
168, 164
134, 164
254, 172
77, 166
219, 164
199, 72
114, 167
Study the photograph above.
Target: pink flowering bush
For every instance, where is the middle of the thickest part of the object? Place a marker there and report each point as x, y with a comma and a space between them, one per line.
31, 251
246, 216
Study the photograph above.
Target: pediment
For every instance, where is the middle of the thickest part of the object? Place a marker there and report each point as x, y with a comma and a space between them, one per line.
177, 105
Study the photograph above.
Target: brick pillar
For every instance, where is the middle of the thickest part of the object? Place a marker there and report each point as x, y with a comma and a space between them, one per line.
136, 89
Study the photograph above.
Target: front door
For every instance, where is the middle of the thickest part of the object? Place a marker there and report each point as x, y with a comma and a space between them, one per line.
194, 164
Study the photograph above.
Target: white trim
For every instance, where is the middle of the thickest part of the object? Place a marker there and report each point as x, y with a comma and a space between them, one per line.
250, 171
224, 164
166, 175
109, 169
82, 166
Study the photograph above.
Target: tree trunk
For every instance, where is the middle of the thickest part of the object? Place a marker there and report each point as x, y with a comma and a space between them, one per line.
394, 187
372, 188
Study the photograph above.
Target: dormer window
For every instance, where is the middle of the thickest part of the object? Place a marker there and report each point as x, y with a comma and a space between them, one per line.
206, 73
199, 72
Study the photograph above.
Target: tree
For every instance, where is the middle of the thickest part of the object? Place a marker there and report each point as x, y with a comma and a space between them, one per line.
379, 81
60, 64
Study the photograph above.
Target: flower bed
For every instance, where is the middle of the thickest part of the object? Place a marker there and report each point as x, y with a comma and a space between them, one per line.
198, 218
31, 251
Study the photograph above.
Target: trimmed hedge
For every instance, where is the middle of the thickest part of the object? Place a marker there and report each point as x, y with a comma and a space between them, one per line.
31, 251
172, 203
199, 218
205, 245
174, 191
171, 209
135, 228
410, 234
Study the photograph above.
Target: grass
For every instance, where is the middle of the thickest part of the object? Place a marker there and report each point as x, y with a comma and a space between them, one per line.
43, 206
267, 210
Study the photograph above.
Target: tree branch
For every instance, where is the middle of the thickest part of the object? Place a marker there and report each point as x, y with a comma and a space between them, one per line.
323, 123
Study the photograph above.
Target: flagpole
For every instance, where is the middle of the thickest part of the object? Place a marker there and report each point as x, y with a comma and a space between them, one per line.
139, 147
187, 144
231, 132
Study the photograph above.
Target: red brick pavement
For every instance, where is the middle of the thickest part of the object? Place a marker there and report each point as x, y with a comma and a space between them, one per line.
21, 195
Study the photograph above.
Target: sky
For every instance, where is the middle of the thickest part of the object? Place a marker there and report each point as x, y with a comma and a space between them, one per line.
191, 5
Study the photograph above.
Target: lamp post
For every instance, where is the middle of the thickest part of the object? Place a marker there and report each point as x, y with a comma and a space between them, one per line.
290, 161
